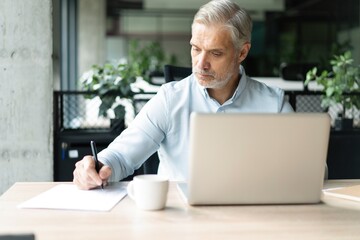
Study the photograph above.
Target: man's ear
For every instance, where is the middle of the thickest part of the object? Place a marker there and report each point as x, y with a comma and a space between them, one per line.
244, 52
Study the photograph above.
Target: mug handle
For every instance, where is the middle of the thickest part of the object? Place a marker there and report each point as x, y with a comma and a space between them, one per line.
130, 190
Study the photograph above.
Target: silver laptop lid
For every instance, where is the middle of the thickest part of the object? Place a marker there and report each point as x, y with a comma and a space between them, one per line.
257, 158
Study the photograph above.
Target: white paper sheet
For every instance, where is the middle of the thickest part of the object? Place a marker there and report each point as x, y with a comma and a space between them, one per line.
68, 197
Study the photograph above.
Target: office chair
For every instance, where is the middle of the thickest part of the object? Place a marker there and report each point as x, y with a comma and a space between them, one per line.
175, 73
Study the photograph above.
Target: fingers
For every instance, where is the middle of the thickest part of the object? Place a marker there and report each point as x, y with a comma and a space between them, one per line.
105, 173
84, 172
85, 175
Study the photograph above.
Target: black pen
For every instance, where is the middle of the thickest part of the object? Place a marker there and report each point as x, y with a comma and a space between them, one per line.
94, 153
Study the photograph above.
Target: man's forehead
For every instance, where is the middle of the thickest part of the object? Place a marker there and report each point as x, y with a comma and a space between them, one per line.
215, 36
211, 26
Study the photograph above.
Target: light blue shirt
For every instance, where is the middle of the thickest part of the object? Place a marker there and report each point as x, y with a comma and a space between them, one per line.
163, 124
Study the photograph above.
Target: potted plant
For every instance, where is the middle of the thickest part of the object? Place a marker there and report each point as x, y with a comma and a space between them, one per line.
112, 84
341, 86
115, 82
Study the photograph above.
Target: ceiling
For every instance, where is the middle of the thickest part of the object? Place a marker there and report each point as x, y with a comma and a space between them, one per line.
334, 9
253, 6
250, 5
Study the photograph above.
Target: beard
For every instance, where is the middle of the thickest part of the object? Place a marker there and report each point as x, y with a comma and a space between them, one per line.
210, 79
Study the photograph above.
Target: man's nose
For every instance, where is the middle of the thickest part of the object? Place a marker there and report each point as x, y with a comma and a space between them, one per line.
203, 62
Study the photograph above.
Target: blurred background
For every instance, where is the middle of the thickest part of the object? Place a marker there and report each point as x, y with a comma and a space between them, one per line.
291, 31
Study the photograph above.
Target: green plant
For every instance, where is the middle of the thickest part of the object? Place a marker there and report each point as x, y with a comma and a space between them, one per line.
111, 82
115, 82
339, 83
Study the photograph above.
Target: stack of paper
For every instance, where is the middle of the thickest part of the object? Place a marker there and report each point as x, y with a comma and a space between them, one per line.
67, 196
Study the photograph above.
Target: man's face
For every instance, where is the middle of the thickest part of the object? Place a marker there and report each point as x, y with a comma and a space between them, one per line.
215, 61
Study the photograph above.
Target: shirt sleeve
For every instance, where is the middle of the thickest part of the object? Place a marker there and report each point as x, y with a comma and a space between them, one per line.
139, 141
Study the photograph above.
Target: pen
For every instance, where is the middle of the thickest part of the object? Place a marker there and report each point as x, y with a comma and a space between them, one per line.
94, 153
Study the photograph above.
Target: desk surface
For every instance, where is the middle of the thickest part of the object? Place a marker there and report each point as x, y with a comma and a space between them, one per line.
337, 219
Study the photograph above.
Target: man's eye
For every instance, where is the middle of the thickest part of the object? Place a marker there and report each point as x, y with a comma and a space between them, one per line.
196, 49
217, 54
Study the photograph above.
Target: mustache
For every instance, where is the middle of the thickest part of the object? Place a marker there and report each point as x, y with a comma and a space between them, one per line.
203, 72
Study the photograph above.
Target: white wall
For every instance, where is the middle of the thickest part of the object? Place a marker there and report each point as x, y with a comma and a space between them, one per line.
91, 33
172, 31
26, 87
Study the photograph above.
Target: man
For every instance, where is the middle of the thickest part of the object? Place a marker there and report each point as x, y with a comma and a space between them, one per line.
221, 35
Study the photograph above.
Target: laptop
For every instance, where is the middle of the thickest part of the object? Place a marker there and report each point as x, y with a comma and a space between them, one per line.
238, 158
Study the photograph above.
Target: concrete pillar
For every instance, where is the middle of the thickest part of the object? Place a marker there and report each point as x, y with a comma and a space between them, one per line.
26, 86
91, 33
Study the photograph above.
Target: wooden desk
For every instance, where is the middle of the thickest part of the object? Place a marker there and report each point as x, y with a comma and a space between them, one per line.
340, 219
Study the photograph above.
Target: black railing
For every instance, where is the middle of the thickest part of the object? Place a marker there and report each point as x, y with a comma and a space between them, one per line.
310, 101
78, 110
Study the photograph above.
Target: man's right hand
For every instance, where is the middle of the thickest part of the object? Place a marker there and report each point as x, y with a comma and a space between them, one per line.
85, 175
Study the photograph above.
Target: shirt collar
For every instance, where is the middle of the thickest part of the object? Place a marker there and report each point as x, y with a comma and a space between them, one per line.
242, 83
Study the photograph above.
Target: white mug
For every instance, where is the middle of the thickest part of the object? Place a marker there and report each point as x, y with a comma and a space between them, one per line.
149, 191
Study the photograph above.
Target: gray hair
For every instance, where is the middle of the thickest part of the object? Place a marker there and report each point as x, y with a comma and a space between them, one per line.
231, 15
